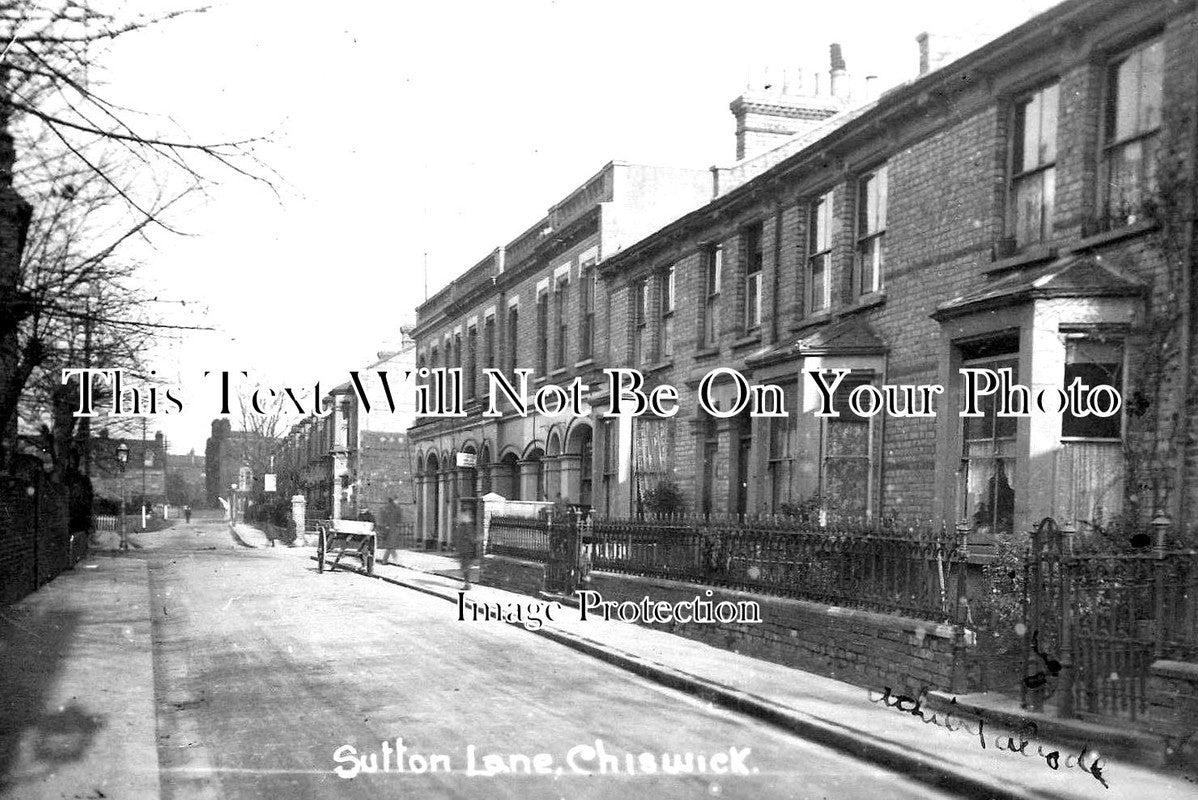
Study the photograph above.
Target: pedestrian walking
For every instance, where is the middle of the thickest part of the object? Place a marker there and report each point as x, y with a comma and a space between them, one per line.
389, 521
187, 513
466, 541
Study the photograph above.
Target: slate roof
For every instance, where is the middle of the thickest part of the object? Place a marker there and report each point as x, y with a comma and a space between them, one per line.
1071, 275
849, 336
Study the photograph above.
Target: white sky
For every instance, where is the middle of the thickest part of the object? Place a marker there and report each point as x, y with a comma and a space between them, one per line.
447, 128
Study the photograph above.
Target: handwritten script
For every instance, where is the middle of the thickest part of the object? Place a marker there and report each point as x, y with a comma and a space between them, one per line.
1015, 742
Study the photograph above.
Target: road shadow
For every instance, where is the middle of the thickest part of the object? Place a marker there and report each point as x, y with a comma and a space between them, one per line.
34, 645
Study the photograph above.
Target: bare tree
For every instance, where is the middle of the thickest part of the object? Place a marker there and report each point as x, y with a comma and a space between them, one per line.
53, 53
86, 310
81, 178
260, 433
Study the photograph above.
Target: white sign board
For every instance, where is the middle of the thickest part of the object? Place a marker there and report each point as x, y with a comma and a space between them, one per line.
469, 460
268, 482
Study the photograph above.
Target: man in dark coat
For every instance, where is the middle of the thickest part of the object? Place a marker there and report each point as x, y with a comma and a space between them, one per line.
466, 540
389, 519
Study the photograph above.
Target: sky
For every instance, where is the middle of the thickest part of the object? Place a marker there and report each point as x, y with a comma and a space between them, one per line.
402, 133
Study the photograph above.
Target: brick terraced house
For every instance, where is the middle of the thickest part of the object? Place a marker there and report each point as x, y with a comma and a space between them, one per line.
534, 303
1026, 206
1000, 212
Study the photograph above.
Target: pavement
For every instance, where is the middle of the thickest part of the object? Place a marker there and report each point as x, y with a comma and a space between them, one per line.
1128, 743
209, 664
941, 744
77, 708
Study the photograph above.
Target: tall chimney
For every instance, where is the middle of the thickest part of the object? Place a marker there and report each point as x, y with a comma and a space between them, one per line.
774, 108
838, 73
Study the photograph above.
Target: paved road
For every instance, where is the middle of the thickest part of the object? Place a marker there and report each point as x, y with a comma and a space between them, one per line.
264, 669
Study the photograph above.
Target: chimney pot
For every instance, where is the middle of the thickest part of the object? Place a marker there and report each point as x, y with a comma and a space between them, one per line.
838, 76
792, 80
837, 56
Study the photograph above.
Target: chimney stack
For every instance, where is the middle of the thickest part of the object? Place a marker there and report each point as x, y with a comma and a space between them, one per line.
838, 73
939, 49
775, 107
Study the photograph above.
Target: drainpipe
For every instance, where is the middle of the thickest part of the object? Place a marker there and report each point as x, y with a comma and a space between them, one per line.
776, 303
1186, 322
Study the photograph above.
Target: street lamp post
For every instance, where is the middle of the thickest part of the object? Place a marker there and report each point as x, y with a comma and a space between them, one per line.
122, 456
145, 454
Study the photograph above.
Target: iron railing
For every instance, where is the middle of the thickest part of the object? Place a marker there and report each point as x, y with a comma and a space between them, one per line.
1098, 619
520, 537
405, 536
916, 569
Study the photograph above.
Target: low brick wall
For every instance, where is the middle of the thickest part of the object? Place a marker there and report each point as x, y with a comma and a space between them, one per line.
861, 647
513, 574
869, 649
1173, 706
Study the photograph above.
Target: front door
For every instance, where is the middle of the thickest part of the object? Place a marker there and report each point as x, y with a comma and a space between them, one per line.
742, 474
711, 452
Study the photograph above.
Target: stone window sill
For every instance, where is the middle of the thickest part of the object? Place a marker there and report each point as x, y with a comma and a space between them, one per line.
1118, 234
871, 299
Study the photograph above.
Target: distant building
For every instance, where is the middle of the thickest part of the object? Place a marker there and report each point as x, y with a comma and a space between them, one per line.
185, 479
227, 452
143, 473
353, 457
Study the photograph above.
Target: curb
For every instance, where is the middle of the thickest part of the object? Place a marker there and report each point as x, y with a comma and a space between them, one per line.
859, 744
1129, 744
237, 538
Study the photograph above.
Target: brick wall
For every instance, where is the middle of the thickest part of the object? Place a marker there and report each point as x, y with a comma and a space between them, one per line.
1173, 701
35, 537
513, 574
385, 468
860, 647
